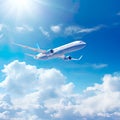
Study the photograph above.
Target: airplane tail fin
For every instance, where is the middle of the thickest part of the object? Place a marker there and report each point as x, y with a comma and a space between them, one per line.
38, 46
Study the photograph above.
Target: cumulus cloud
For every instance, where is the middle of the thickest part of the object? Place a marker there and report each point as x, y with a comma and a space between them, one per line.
28, 92
77, 29
110, 84
44, 32
30, 75
104, 98
24, 28
56, 28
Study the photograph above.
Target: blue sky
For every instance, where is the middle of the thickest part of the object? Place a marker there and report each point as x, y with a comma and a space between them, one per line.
54, 23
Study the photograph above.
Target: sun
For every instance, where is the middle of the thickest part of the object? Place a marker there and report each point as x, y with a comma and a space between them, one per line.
19, 4
19, 8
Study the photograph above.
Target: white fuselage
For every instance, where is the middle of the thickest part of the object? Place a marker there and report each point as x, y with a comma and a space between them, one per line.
60, 51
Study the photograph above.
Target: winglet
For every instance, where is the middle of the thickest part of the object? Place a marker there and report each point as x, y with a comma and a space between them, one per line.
80, 57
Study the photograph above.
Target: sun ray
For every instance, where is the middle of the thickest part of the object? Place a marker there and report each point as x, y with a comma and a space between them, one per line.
18, 8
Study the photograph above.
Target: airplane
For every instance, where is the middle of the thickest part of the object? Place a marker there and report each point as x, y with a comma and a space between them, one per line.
58, 52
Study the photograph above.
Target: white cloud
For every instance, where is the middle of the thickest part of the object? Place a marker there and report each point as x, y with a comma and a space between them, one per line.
1, 27
118, 13
4, 29
76, 29
110, 84
24, 28
95, 66
88, 30
99, 66
20, 29
71, 30
103, 98
44, 32
1, 36
43, 94
56, 28
35, 77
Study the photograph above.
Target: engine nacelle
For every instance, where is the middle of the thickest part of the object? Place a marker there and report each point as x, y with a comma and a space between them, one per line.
50, 51
68, 58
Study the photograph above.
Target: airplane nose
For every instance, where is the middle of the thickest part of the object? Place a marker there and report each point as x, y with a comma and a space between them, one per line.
84, 43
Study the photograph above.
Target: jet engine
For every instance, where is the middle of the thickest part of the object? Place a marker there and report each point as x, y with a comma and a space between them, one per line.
68, 58
50, 51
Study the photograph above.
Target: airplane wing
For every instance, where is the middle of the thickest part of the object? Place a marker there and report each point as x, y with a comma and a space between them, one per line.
30, 48
69, 57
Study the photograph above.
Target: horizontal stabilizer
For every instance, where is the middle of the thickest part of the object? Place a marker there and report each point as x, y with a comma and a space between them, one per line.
70, 58
77, 58
31, 55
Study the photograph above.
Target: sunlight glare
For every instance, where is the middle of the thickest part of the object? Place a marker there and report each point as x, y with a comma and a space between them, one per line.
20, 3
19, 8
